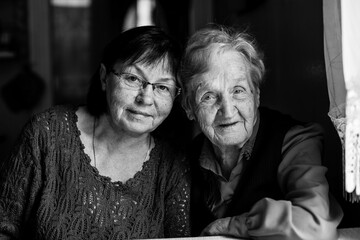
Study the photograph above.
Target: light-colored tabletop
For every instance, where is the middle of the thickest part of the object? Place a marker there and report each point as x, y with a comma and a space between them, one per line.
344, 234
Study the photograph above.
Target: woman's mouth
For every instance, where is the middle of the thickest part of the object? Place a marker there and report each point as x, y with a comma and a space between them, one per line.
137, 112
225, 125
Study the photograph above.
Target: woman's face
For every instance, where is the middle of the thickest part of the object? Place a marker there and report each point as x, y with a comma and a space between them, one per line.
225, 102
137, 111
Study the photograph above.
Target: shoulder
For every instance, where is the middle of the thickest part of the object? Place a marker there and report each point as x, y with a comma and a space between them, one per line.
58, 112
288, 130
304, 139
49, 120
51, 117
310, 132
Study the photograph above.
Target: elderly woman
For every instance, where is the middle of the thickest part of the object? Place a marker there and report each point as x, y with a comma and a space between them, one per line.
98, 171
256, 172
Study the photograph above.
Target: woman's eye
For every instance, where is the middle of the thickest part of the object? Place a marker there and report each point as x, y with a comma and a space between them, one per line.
132, 78
239, 92
163, 88
208, 98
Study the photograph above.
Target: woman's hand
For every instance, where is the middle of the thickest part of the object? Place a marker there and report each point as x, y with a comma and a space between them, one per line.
230, 226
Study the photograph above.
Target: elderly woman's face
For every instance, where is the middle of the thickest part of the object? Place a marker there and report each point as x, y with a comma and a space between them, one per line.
136, 111
225, 103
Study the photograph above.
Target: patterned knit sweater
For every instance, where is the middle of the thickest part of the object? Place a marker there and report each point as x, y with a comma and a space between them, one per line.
49, 190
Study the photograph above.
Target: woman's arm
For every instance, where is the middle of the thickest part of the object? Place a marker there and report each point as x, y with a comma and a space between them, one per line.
308, 210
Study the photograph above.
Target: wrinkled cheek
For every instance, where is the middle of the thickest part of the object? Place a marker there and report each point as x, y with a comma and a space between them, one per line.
247, 112
205, 116
204, 127
205, 119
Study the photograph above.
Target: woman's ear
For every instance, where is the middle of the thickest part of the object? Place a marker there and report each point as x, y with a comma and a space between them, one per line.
190, 114
186, 105
102, 73
189, 110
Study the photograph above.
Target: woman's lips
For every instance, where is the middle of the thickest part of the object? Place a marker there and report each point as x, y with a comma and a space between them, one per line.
137, 112
227, 124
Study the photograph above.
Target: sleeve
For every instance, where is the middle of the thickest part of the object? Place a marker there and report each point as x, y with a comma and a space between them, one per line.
19, 182
177, 201
308, 210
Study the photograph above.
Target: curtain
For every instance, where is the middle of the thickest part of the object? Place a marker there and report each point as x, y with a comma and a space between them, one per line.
342, 61
351, 64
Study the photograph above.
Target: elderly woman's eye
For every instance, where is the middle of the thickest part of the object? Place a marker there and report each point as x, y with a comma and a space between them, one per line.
239, 92
208, 98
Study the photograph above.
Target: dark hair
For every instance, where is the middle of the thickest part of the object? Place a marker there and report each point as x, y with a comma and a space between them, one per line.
201, 44
146, 44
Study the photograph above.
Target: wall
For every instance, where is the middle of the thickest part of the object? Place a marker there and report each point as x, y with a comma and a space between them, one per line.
25, 74
13, 51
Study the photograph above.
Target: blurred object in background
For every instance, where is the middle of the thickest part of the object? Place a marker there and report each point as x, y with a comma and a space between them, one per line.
14, 53
70, 34
13, 29
7, 46
141, 13
24, 91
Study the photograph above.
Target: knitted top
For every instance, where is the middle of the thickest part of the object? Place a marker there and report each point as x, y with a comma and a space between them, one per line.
49, 190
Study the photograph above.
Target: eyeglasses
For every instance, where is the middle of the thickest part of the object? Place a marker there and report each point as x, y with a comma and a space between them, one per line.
162, 90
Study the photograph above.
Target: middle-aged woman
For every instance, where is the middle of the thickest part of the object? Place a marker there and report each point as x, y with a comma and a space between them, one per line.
256, 172
98, 171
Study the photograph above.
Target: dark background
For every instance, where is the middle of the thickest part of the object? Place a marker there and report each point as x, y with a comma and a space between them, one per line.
70, 42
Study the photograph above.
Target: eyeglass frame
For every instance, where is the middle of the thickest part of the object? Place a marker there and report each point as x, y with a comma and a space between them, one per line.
144, 83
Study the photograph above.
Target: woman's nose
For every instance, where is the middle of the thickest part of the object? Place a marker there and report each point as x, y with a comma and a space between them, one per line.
227, 107
146, 95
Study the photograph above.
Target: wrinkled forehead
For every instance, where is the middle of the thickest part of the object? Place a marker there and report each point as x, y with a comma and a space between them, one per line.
220, 62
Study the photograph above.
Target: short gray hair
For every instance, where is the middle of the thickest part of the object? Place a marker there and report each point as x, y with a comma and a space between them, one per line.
198, 50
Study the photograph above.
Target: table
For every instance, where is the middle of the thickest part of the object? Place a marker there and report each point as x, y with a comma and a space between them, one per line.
344, 234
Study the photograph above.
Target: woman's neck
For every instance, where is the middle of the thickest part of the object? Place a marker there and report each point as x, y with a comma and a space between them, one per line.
117, 139
227, 158
119, 155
